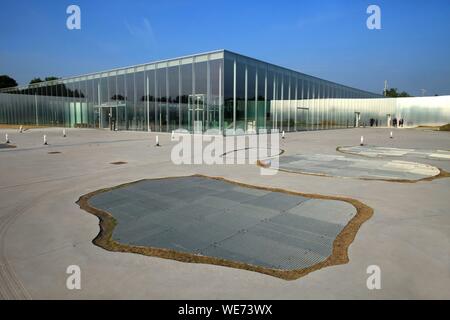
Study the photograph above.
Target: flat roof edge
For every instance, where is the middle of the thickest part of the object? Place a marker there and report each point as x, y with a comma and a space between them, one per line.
43, 83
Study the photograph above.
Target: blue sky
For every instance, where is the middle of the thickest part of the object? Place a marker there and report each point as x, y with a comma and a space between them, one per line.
325, 38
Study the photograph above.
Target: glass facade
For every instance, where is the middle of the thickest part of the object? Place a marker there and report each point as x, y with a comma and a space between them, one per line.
219, 90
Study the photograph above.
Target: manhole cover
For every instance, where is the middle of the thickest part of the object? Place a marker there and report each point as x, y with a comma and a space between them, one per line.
118, 162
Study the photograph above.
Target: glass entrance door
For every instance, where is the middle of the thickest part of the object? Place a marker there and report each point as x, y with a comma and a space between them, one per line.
121, 118
357, 119
196, 113
302, 118
102, 118
113, 118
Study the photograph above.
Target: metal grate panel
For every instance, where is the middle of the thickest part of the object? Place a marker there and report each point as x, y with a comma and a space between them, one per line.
221, 219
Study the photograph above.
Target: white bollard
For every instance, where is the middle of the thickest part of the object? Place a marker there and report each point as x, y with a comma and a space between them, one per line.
392, 136
173, 135
45, 139
21, 129
282, 135
64, 133
6, 138
362, 140
157, 141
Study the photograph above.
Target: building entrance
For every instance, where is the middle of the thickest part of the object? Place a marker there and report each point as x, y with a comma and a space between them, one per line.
196, 113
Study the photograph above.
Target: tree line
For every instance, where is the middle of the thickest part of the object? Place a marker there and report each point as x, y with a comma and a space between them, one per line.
8, 82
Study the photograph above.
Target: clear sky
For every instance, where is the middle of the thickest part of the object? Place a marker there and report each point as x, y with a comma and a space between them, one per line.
325, 38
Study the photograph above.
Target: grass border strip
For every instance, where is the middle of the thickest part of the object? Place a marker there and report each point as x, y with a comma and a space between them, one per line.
8, 146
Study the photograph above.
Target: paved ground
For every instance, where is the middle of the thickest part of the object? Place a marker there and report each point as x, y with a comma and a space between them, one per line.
43, 231
358, 168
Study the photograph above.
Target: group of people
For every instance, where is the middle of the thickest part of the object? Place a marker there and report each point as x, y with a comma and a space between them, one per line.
397, 123
373, 122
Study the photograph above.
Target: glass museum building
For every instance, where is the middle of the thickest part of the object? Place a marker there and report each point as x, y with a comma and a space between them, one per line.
219, 90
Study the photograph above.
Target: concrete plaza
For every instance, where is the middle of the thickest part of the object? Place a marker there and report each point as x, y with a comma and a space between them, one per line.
43, 230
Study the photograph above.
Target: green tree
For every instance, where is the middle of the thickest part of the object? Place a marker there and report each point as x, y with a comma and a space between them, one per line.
393, 93
7, 81
35, 80
118, 97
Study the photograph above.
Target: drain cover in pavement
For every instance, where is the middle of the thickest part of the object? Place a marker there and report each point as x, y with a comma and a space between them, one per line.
211, 220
